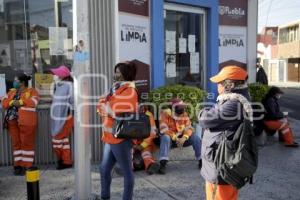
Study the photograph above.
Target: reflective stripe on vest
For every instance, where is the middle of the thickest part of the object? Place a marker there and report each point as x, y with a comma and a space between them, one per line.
28, 109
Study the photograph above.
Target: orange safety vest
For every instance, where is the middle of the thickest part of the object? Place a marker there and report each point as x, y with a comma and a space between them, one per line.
175, 126
29, 99
123, 99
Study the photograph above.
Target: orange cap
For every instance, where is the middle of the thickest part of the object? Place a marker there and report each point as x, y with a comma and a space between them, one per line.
230, 73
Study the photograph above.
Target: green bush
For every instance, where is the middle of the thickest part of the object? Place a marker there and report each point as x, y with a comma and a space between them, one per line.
258, 91
188, 94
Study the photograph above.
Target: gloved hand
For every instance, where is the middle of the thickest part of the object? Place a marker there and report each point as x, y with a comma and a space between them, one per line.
180, 142
138, 147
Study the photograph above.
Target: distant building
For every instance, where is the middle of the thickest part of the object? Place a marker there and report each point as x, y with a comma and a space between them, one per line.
289, 49
279, 49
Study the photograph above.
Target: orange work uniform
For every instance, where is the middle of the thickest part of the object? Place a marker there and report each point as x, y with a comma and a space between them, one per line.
222, 192
61, 142
283, 128
22, 127
148, 144
174, 126
122, 100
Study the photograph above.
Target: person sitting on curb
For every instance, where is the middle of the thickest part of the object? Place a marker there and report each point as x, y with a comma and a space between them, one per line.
176, 131
275, 120
146, 147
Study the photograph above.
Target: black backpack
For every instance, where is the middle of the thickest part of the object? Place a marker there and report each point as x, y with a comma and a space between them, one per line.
236, 158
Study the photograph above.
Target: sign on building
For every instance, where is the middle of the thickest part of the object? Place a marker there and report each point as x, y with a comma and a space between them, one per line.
233, 32
57, 38
134, 39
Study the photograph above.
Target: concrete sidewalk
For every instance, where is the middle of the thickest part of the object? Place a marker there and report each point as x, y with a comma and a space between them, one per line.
277, 178
294, 85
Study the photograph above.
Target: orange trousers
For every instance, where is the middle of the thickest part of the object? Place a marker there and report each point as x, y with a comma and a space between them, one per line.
23, 138
147, 156
283, 128
61, 143
223, 192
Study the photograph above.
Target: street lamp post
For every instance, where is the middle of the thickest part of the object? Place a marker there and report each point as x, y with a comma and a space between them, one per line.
81, 68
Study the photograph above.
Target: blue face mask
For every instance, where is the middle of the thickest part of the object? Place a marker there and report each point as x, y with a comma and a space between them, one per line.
16, 85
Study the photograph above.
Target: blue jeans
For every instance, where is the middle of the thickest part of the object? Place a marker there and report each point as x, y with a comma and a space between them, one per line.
121, 154
166, 144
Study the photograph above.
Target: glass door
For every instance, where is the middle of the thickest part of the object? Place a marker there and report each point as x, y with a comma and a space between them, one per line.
185, 37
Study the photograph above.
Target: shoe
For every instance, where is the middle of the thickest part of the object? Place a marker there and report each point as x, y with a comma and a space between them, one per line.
17, 170
23, 171
153, 168
163, 165
280, 138
67, 166
295, 144
200, 164
60, 165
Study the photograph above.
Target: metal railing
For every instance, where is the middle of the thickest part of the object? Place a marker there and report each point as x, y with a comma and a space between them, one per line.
44, 154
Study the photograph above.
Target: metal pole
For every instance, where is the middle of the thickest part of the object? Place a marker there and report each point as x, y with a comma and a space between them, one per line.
57, 13
81, 67
251, 39
32, 179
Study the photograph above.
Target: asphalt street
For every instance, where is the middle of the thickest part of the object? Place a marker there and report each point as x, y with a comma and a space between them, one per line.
277, 178
290, 102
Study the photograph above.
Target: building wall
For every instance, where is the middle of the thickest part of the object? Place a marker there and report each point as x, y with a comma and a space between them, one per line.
274, 52
289, 50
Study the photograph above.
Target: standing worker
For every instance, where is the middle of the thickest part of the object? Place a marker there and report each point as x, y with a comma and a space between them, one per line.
122, 98
223, 117
21, 120
62, 120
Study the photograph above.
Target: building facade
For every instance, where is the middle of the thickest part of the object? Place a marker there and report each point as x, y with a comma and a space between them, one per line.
289, 49
279, 50
172, 42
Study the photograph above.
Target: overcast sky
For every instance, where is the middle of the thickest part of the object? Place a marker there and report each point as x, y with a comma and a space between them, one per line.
277, 12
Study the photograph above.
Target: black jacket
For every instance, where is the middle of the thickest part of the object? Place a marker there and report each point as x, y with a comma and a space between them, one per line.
272, 109
212, 120
261, 76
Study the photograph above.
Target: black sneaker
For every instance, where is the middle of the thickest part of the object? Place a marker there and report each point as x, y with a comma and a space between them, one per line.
295, 145
153, 168
59, 165
17, 170
22, 171
67, 166
163, 165
200, 164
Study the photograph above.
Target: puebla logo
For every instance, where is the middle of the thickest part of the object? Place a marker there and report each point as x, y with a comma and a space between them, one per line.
226, 10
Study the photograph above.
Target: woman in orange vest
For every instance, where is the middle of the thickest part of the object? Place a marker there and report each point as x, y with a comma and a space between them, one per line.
122, 98
21, 119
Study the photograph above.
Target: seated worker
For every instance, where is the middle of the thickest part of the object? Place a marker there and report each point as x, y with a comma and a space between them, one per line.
146, 147
275, 119
176, 131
